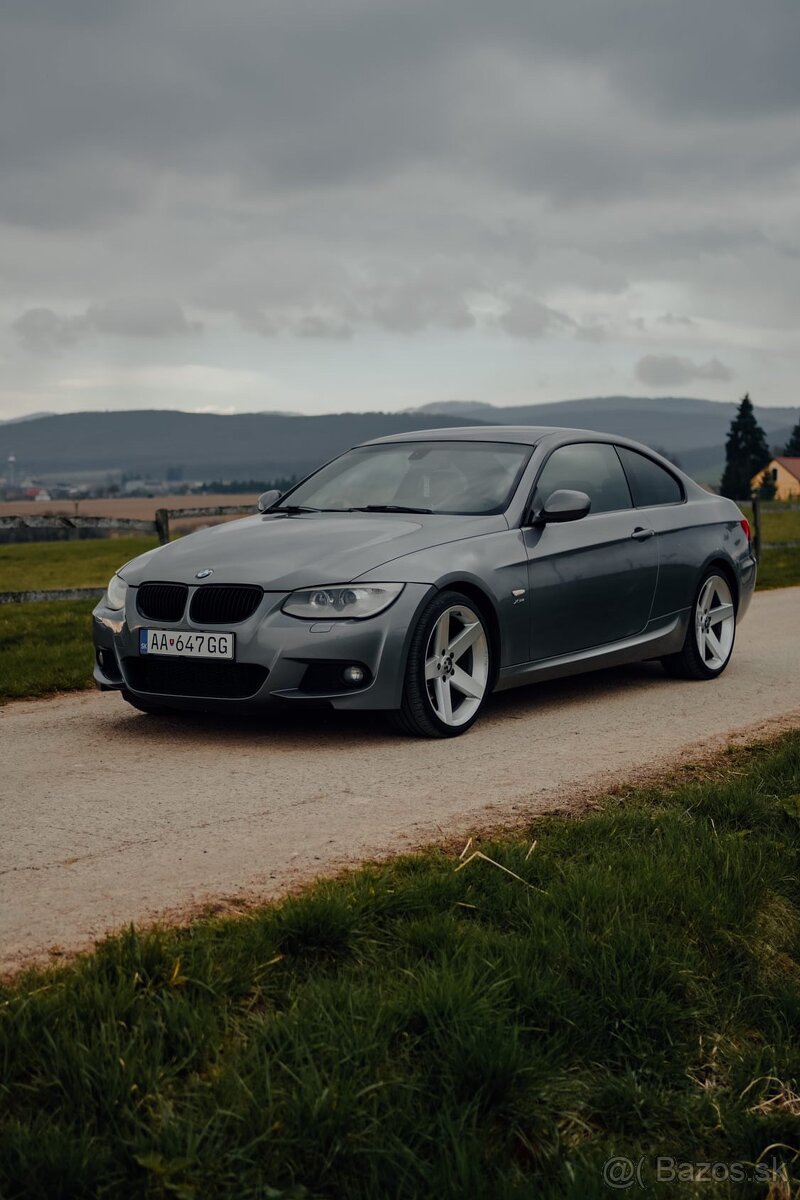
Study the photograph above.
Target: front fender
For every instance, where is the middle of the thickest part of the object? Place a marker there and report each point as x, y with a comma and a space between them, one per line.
494, 565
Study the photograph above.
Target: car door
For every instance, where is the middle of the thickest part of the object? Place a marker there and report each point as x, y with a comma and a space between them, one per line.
661, 501
590, 581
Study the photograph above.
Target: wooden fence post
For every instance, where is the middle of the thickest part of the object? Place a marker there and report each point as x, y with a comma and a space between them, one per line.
162, 525
757, 526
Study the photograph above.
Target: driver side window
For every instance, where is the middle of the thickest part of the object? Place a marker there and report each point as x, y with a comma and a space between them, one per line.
590, 467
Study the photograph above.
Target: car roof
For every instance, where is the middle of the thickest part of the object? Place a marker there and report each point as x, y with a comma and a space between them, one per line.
525, 435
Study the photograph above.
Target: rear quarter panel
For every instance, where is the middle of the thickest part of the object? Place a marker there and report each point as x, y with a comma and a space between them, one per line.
692, 535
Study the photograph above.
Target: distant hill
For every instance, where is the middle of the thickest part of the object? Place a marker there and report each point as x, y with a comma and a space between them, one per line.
34, 416
243, 446
266, 445
688, 428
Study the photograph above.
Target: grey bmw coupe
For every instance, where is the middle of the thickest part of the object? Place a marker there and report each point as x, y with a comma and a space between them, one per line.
419, 573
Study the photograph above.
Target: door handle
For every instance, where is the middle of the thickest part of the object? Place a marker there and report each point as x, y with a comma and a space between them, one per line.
641, 534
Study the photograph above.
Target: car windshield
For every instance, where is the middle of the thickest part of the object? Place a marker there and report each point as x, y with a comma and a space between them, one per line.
432, 477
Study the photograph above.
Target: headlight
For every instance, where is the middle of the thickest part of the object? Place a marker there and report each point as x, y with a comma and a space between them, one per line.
116, 592
339, 603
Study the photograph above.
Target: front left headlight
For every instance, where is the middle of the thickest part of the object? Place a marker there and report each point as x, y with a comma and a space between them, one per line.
115, 593
356, 600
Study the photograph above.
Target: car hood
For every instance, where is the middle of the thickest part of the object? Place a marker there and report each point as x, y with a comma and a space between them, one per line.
281, 553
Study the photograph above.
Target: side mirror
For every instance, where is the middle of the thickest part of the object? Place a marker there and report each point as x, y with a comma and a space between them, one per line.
564, 505
267, 499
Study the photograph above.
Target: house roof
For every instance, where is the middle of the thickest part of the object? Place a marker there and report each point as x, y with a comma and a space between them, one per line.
792, 465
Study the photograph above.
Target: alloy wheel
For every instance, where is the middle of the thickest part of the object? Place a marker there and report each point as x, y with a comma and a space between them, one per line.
457, 665
715, 622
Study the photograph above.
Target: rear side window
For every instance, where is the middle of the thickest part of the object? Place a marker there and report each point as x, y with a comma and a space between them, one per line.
591, 467
650, 483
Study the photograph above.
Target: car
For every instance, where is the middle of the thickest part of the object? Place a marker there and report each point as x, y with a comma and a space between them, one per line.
416, 574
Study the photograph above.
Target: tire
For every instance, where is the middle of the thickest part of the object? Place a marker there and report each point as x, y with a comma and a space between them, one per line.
449, 672
152, 710
709, 642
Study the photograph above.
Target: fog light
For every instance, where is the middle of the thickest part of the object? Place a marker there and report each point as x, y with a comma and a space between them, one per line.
353, 675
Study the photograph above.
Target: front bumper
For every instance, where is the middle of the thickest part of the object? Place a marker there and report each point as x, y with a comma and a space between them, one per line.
283, 646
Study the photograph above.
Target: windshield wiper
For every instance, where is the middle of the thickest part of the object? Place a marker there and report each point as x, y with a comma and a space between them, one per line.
399, 508
293, 508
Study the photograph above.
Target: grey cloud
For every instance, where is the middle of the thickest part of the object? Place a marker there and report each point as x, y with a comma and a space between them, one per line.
322, 169
143, 318
591, 333
43, 331
526, 317
670, 370
569, 101
672, 319
321, 325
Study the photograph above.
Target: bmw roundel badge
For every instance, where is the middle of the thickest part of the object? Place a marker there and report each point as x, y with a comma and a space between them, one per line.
204, 574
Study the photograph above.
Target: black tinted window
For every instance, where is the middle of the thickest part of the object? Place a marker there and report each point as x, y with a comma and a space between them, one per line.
590, 467
650, 483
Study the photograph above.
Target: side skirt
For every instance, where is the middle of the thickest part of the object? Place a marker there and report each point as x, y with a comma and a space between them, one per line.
666, 639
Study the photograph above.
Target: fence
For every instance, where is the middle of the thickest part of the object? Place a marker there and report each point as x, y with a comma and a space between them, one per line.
757, 526
102, 527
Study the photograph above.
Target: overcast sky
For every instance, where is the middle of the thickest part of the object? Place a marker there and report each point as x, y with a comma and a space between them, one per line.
328, 204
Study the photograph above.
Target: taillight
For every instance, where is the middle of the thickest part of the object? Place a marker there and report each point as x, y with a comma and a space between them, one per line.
745, 524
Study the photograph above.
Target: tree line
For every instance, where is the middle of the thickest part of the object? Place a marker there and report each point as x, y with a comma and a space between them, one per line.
747, 453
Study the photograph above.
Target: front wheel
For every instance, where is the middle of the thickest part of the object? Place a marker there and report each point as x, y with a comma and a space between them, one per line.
711, 633
449, 669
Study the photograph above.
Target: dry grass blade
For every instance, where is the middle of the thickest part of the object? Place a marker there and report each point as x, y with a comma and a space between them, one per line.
781, 1098
479, 854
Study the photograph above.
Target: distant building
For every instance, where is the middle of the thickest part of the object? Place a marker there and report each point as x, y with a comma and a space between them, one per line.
785, 474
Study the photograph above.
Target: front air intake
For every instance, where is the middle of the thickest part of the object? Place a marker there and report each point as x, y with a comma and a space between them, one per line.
194, 678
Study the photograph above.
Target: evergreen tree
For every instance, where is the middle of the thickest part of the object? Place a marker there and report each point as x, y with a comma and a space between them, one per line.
746, 452
792, 447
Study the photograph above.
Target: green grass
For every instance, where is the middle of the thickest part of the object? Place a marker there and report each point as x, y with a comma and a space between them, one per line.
779, 567
779, 564
416, 1031
780, 520
44, 648
46, 565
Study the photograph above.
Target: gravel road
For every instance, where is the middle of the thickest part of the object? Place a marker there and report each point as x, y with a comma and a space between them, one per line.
109, 816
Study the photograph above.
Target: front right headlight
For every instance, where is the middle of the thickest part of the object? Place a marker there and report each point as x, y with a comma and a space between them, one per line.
116, 592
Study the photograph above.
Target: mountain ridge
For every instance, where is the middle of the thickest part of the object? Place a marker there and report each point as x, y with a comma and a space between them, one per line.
266, 445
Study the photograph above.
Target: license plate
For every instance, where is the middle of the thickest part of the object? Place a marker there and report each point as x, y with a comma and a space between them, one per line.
196, 644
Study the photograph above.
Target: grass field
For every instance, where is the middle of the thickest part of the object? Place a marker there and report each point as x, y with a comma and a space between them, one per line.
67, 564
414, 1030
47, 647
780, 522
779, 565
140, 507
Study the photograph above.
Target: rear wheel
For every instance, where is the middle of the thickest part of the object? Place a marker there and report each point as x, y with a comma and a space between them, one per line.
449, 669
711, 633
